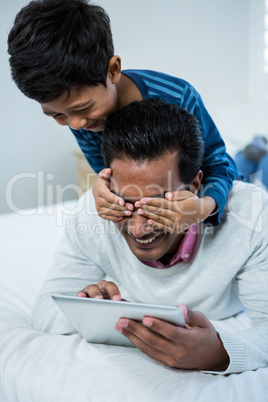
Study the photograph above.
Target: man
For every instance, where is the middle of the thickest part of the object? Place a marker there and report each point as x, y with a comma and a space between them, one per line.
154, 148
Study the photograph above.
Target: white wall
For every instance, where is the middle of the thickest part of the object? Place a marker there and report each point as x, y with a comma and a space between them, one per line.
214, 44
30, 142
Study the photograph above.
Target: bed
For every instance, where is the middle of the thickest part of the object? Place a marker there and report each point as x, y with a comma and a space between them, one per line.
35, 366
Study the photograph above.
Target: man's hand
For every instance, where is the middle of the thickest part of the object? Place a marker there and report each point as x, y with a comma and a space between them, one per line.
102, 290
196, 347
177, 211
109, 206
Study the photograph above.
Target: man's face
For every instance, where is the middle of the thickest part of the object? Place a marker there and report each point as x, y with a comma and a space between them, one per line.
134, 180
86, 109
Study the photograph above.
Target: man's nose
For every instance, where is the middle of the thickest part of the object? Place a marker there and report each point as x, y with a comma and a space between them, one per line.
138, 226
77, 122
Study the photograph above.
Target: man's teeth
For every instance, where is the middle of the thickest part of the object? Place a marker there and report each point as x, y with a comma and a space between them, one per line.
145, 241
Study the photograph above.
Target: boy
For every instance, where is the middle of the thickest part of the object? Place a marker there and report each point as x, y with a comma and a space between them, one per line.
62, 55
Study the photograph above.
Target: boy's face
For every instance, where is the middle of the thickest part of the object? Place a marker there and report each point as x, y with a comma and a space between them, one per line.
86, 109
134, 180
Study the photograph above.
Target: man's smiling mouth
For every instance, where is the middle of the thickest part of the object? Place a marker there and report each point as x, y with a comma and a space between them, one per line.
145, 241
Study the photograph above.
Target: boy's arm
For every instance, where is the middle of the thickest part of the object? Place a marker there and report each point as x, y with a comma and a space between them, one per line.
90, 144
218, 167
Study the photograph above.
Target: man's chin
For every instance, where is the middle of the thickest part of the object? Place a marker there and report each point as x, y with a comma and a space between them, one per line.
147, 255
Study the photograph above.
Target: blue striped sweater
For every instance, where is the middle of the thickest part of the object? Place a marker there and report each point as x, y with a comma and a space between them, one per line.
218, 167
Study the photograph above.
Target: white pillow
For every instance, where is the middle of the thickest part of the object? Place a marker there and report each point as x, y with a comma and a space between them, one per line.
28, 242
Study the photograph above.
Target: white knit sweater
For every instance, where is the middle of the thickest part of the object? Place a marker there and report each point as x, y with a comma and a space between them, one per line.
227, 273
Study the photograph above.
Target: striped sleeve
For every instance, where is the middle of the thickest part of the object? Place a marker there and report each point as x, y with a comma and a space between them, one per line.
90, 144
218, 167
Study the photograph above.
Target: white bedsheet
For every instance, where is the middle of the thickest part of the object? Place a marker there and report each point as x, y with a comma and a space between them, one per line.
37, 367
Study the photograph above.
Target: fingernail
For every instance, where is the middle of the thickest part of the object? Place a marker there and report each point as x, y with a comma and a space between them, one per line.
130, 207
116, 297
98, 297
81, 295
123, 323
184, 310
169, 195
147, 321
121, 203
118, 329
127, 212
140, 211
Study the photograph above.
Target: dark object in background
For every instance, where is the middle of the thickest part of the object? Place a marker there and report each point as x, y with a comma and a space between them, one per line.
256, 150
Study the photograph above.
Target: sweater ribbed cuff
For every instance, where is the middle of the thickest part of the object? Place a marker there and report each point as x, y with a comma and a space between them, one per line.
66, 327
236, 352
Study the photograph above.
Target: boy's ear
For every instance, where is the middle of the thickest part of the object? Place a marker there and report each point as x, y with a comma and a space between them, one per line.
114, 71
197, 182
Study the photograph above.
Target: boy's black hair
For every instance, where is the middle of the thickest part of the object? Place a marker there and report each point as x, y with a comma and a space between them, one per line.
148, 129
57, 45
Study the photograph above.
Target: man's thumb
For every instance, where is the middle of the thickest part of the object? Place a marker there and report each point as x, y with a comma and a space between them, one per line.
194, 318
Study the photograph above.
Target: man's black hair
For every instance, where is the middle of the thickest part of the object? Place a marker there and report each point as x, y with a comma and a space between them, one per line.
58, 45
148, 129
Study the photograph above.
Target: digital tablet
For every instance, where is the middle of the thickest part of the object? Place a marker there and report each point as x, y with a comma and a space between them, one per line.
95, 319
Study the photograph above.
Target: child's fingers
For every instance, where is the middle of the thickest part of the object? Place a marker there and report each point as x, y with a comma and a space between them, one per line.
107, 196
104, 205
174, 213
148, 209
105, 173
101, 189
113, 212
164, 216
114, 205
157, 225
178, 195
112, 218
165, 202
154, 202
168, 227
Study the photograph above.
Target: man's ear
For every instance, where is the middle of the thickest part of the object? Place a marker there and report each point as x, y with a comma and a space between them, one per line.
114, 71
196, 183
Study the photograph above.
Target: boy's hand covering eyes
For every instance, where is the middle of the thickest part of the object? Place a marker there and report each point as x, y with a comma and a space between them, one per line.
176, 212
109, 206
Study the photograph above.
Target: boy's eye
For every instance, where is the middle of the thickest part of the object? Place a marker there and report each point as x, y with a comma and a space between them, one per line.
56, 116
82, 110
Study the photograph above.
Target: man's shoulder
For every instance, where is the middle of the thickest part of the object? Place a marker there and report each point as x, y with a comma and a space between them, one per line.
89, 229
244, 193
87, 201
85, 210
247, 204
